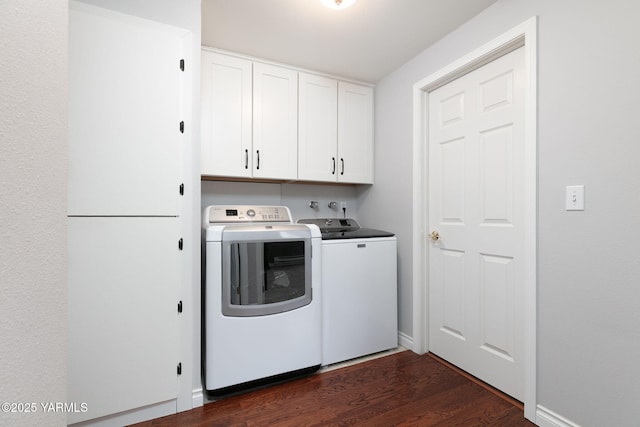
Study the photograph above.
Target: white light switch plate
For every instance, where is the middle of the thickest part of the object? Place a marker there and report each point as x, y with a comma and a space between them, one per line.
575, 197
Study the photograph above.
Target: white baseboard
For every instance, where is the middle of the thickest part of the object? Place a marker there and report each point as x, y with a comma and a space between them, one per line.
405, 340
548, 418
197, 397
544, 417
133, 416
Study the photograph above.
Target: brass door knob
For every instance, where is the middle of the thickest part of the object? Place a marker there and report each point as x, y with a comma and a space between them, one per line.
434, 235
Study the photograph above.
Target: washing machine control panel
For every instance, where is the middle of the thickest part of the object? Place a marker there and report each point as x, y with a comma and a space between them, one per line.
327, 225
243, 214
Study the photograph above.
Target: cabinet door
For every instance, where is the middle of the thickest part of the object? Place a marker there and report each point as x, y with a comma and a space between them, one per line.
317, 128
275, 122
355, 133
226, 115
122, 316
124, 116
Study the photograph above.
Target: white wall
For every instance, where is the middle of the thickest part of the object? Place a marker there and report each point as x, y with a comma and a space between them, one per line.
33, 204
184, 14
589, 267
295, 196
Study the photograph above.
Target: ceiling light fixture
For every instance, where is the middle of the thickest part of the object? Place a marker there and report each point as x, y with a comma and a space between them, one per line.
338, 4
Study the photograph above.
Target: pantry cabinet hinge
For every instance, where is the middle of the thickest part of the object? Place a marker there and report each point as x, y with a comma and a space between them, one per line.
182, 189
179, 306
182, 64
181, 127
180, 244
179, 368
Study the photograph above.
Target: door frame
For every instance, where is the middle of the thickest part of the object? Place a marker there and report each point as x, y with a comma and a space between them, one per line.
523, 35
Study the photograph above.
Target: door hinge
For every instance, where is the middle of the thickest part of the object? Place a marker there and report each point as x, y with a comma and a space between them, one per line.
182, 64
179, 306
179, 368
181, 127
182, 189
180, 244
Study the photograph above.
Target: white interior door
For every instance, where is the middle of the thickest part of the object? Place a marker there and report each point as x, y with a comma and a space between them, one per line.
476, 186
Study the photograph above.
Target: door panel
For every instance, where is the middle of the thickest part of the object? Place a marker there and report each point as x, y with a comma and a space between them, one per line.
496, 176
275, 122
355, 133
453, 312
496, 92
124, 116
476, 205
317, 131
226, 115
451, 109
122, 317
453, 154
497, 315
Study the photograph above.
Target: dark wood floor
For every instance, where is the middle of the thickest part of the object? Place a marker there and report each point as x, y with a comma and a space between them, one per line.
402, 389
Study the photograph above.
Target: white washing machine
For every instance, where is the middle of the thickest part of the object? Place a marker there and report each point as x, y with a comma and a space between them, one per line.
359, 289
262, 296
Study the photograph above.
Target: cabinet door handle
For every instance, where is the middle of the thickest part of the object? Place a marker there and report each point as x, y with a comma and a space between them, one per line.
246, 159
258, 163
333, 171
342, 166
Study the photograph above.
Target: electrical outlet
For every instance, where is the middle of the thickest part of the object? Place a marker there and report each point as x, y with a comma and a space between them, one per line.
343, 206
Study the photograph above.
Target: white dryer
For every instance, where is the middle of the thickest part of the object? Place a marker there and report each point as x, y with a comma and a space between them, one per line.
262, 296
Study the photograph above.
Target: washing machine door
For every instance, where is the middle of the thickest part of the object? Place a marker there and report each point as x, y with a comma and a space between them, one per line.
265, 269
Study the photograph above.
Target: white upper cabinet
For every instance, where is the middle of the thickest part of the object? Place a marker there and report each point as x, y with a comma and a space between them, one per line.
275, 122
335, 139
226, 115
355, 133
317, 128
249, 118
265, 121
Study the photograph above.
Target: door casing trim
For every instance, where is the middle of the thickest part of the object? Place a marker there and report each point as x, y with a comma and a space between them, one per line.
523, 35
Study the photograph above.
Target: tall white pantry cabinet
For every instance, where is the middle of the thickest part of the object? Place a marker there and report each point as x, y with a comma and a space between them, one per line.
261, 120
126, 139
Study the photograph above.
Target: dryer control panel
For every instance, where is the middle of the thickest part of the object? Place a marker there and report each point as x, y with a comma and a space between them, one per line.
231, 214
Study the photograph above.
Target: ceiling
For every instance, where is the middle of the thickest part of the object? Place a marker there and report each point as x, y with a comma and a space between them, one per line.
364, 42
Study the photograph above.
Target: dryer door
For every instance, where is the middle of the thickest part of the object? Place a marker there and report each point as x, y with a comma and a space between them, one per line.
265, 270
